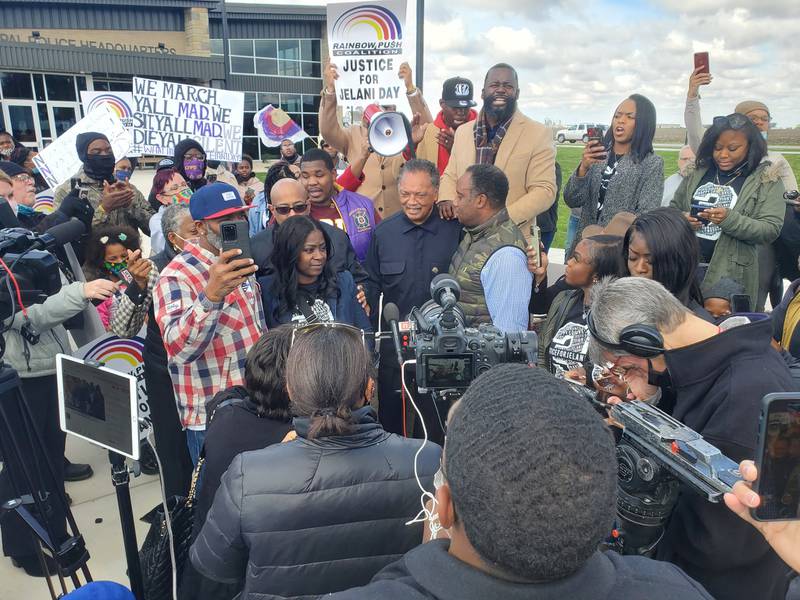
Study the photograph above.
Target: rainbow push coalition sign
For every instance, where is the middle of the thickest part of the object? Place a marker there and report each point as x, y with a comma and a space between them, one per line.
121, 103
368, 43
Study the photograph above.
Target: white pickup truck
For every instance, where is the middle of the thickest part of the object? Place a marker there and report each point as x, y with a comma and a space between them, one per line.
574, 133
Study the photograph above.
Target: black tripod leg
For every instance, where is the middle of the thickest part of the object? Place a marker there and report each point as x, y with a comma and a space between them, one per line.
121, 479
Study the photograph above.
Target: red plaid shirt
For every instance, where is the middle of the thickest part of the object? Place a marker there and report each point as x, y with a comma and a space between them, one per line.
206, 343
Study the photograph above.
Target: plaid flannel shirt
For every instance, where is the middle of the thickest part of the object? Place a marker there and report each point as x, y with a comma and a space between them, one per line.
206, 342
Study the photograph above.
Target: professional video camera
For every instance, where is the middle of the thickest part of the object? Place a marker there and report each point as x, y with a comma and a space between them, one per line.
656, 454
450, 355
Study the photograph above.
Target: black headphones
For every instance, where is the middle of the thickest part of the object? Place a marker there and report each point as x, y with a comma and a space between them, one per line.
639, 340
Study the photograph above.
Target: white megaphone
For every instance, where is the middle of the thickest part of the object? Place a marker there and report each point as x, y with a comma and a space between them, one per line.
389, 133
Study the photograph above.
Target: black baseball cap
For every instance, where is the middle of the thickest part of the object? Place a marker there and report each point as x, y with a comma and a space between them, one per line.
457, 92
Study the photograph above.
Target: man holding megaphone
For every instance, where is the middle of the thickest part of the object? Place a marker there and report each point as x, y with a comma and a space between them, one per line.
380, 171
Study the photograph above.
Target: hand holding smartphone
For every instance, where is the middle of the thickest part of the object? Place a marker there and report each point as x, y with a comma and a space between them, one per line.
701, 62
778, 459
536, 244
236, 234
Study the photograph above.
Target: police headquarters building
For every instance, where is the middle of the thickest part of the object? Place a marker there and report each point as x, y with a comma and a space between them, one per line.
51, 50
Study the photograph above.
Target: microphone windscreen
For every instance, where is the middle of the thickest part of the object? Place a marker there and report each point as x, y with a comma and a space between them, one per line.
391, 312
65, 233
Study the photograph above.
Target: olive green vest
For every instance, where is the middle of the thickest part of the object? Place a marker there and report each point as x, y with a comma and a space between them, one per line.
476, 248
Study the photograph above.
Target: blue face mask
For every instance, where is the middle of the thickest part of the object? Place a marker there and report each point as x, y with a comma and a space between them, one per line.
122, 175
764, 134
35, 170
25, 210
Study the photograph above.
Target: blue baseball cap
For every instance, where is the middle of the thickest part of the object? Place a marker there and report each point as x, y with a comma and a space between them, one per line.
215, 200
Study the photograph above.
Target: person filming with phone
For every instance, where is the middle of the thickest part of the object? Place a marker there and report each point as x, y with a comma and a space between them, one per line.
653, 342
209, 310
619, 172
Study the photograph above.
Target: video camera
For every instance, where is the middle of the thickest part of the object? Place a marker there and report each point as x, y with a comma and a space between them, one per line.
450, 355
29, 257
656, 454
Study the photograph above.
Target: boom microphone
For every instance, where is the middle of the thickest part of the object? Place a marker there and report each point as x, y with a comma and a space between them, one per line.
392, 315
63, 233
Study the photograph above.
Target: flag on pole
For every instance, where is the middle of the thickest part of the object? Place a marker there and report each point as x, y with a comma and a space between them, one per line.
274, 126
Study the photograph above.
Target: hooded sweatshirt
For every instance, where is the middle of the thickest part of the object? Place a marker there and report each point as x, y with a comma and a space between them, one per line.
719, 384
429, 571
181, 148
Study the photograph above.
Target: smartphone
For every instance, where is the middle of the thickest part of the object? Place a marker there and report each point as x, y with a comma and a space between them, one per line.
236, 234
778, 459
536, 236
595, 134
740, 303
701, 62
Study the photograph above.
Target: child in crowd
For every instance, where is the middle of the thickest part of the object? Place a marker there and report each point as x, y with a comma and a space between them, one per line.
107, 258
718, 299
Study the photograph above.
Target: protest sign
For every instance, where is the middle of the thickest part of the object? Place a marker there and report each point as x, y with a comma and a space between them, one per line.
166, 113
368, 43
59, 161
120, 102
274, 126
123, 355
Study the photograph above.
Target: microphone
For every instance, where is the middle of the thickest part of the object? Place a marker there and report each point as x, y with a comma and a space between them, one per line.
63, 233
392, 315
445, 290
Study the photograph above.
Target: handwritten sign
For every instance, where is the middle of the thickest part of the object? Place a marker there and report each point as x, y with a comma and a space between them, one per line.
59, 161
368, 43
168, 112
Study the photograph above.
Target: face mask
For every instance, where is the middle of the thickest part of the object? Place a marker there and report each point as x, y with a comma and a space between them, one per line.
25, 210
6, 151
100, 167
764, 134
242, 178
122, 175
433, 519
194, 168
181, 197
35, 170
659, 379
115, 268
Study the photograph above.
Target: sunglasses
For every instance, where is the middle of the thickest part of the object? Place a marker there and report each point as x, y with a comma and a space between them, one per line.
734, 121
285, 210
105, 239
301, 329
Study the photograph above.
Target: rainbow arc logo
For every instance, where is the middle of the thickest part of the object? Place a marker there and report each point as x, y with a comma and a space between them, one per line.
384, 22
117, 104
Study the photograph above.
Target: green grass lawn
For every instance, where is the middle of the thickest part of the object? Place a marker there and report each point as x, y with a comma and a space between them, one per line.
569, 157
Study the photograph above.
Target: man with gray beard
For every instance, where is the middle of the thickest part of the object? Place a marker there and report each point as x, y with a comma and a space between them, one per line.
209, 311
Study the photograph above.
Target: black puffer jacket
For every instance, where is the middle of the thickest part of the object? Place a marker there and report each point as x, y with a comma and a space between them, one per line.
309, 517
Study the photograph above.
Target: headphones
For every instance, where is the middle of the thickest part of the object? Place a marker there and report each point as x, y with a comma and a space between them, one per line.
639, 340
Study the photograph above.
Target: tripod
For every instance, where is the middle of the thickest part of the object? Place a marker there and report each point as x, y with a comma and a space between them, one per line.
37, 492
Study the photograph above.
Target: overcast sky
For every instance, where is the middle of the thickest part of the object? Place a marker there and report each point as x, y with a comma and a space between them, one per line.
578, 59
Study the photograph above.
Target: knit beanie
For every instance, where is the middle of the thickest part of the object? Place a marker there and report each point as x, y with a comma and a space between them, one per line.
724, 288
749, 106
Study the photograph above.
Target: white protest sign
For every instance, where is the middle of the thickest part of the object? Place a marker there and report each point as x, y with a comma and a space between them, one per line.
120, 102
59, 161
166, 113
368, 43
123, 355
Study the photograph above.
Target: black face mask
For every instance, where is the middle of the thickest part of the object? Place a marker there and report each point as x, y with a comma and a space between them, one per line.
658, 378
242, 178
100, 167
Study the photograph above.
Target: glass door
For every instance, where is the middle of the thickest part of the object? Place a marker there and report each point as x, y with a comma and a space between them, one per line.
63, 115
22, 120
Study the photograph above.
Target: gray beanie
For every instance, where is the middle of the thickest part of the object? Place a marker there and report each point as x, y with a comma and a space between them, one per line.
725, 288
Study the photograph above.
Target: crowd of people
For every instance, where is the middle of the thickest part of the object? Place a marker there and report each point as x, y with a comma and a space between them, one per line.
264, 376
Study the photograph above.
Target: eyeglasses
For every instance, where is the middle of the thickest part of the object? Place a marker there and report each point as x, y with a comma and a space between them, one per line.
106, 239
23, 177
285, 210
734, 121
755, 119
300, 329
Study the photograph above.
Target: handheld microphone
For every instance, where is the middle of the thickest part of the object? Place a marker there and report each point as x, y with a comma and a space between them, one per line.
392, 315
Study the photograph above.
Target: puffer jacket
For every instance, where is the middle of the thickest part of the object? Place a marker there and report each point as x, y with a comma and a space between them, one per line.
38, 360
308, 517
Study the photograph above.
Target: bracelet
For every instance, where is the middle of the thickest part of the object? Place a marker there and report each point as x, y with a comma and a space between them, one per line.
327, 93
413, 92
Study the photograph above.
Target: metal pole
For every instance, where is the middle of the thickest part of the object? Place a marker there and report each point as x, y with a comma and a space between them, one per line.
420, 40
225, 43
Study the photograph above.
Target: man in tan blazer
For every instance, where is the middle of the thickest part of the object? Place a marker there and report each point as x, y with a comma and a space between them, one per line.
501, 135
380, 173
